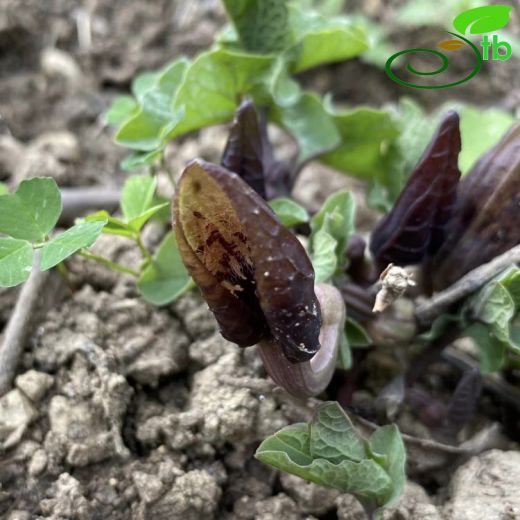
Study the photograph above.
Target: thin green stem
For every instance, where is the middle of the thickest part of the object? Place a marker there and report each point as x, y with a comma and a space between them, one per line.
62, 269
108, 263
39, 245
143, 249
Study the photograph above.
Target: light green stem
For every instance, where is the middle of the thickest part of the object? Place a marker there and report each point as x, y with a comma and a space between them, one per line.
143, 249
62, 269
108, 263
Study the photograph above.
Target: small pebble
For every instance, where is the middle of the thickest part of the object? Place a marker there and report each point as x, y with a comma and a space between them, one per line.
34, 384
38, 463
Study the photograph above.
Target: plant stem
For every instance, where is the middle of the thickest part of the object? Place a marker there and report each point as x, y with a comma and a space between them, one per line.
493, 383
143, 249
359, 301
62, 269
108, 263
434, 307
16, 330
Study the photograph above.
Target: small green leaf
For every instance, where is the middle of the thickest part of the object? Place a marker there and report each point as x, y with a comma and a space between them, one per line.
480, 130
337, 214
511, 281
344, 361
121, 109
144, 82
495, 308
289, 212
324, 259
310, 124
331, 229
213, 85
330, 452
293, 440
286, 450
16, 258
228, 37
387, 441
32, 211
3, 188
166, 278
378, 197
138, 159
515, 335
171, 75
498, 311
492, 351
113, 226
333, 437
329, 46
66, 243
319, 39
365, 479
137, 195
138, 222
262, 25
145, 130
494, 303
366, 136
483, 19
357, 335
284, 90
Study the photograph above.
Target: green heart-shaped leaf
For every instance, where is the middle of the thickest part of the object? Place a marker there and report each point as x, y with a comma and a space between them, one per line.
32, 211
289, 212
15, 261
70, 241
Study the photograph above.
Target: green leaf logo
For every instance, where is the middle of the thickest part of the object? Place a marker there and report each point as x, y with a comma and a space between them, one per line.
482, 19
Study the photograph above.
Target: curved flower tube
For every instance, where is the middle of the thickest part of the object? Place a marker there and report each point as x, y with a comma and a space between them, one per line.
311, 377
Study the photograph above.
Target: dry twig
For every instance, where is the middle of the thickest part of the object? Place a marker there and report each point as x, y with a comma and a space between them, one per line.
394, 281
429, 310
76, 201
